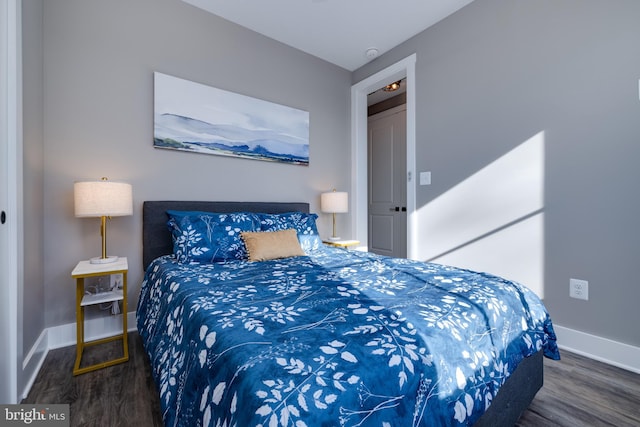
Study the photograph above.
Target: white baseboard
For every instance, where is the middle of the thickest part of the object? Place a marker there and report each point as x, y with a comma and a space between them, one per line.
41, 345
33, 361
614, 353
65, 335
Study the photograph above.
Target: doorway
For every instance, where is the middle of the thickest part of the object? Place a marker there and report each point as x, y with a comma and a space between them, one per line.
359, 149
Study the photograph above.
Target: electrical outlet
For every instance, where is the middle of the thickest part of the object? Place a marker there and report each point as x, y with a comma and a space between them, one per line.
115, 281
579, 289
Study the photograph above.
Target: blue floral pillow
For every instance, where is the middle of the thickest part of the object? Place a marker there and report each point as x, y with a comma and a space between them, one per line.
303, 223
210, 237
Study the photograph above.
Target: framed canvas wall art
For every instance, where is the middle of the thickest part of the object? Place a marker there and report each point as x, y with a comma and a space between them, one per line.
193, 117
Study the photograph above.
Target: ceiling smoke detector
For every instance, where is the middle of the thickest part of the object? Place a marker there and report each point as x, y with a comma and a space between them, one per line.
371, 53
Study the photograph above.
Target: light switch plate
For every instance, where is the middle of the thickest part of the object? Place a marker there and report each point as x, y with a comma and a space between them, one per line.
425, 178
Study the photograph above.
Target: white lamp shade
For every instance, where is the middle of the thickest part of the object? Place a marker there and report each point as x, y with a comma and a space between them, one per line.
334, 202
102, 198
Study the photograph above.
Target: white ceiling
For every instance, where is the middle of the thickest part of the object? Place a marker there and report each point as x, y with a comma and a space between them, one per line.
338, 31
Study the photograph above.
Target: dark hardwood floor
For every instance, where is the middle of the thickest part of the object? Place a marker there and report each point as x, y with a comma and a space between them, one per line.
577, 391
120, 395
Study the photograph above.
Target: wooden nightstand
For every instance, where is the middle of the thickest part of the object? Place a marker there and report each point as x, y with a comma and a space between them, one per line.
83, 270
341, 243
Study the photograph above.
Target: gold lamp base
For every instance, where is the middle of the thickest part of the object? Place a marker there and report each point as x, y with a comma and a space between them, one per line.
104, 259
333, 236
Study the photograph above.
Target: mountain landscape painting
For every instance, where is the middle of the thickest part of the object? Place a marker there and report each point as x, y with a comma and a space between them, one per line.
194, 117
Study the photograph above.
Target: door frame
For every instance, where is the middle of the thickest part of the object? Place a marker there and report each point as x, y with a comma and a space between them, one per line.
359, 199
11, 71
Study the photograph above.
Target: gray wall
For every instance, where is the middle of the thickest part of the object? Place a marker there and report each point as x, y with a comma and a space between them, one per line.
498, 72
33, 174
99, 59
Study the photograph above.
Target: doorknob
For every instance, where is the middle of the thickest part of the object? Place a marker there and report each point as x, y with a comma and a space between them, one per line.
394, 209
3, 217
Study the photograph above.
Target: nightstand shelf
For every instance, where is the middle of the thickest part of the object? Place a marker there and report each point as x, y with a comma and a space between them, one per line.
83, 270
101, 298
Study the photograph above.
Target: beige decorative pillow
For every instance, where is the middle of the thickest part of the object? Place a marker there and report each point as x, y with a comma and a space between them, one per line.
265, 245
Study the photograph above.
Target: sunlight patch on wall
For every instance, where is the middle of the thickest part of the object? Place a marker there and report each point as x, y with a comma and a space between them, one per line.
508, 253
494, 220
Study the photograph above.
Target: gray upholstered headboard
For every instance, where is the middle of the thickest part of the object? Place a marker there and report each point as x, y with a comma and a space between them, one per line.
156, 238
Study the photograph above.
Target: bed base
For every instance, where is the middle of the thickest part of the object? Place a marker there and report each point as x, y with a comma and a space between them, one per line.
516, 394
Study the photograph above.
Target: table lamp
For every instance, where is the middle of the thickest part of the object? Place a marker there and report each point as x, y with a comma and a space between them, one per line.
102, 199
334, 202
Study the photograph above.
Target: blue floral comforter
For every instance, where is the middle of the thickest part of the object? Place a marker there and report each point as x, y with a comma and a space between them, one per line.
335, 338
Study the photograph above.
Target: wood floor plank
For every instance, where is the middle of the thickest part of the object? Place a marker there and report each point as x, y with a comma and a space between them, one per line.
577, 391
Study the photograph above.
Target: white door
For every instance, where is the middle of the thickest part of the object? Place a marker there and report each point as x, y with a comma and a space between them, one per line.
388, 182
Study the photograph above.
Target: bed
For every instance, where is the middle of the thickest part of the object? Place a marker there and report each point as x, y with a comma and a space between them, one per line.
329, 336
